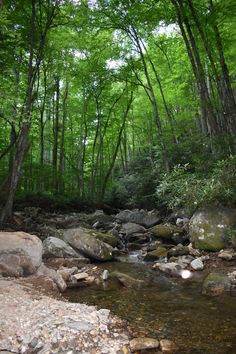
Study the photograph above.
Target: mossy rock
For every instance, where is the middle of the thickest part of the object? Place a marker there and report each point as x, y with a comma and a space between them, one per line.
104, 237
166, 231
82, 240
211, 228
215, 284
160, 252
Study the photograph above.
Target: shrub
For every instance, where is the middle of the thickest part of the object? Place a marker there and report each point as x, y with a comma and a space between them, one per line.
183, 188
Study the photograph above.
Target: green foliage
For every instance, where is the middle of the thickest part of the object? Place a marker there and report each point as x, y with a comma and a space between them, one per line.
136, 186
184, 188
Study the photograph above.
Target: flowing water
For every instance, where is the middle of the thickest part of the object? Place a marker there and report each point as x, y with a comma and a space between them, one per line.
167, 308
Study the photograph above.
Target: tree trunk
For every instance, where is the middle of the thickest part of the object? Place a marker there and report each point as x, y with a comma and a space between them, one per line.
55, 136
108, 174
62, 147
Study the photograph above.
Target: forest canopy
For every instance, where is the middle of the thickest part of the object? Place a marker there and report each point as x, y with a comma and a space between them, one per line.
130, 103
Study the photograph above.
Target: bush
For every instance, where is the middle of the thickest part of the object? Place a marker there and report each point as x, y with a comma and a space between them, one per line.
136, 187
183, 188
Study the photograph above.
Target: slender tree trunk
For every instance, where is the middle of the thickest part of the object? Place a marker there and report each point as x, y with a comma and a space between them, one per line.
198, 70
41, 122
227, 87
22, 143
108, 174
55, 136
62, 147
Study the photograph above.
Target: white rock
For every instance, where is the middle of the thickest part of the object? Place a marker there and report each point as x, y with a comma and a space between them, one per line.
80, 276
105, 274
197, 264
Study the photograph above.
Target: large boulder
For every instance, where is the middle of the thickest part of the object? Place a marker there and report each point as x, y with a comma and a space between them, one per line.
82, 240
20, 254
141, 217
211, 228
54, 247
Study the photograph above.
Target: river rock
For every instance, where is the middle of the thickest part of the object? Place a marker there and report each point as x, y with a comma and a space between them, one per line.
184, 261
54, 247
66, 273
227, 255
197, 264
66, 262
130, 228
194, 251
144, 218
160, 252
211, 228
215, 284
105, 275
167, 346
134, 246
144, 343
171, 268
54, 275
126, 280
108, 238
178, 250
20, 254
167, 231
87, 244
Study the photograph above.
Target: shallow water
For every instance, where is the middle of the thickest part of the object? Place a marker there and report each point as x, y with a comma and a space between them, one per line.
167, 308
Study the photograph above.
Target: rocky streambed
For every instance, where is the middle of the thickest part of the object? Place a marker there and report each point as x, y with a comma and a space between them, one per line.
168, 278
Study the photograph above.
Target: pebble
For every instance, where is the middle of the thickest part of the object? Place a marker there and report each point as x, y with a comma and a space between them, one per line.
143, 343
167, 346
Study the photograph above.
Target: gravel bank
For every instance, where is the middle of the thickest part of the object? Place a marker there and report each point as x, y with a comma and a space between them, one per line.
34, 323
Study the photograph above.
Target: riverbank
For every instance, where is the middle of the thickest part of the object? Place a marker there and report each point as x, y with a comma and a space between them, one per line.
32, 322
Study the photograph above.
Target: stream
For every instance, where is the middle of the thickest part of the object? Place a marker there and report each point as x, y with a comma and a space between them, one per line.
166, 308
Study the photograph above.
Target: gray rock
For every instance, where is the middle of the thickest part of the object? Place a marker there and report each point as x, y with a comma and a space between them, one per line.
182, 222
54, 247
52, 274
143, 343
215, 284
227, 255
66, 273
171, 268
211, 228
66, 262
178, 250
144, 218
87, 244
20, 254
126, 280
130, 228
197, 264
184, 261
